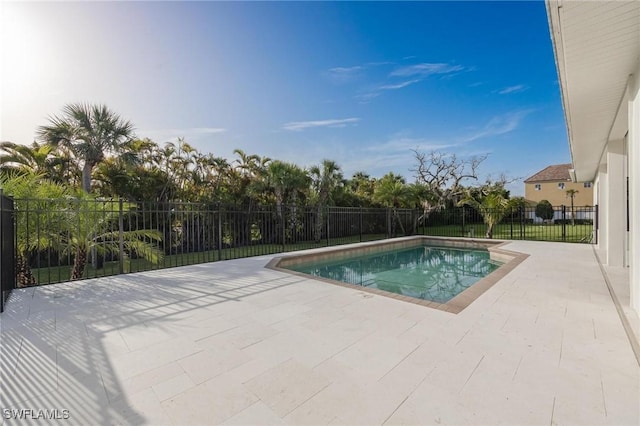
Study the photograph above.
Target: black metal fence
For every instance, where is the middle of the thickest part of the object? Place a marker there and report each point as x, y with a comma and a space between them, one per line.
67, 239
7, 249
565, 224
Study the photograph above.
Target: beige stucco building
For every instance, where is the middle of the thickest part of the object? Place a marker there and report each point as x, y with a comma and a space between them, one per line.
552, 184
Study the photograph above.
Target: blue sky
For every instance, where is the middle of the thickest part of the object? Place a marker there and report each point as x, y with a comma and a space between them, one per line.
359, 83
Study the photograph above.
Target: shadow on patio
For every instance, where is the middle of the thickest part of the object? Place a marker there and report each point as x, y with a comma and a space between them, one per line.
67, 349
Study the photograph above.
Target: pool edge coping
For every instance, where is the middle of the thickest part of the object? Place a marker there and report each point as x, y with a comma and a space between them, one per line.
456, 305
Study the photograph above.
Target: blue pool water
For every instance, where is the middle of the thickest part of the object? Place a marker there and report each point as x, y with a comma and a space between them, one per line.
430, 273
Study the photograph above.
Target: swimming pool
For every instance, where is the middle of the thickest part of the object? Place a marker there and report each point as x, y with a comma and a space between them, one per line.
439, 272
430, 273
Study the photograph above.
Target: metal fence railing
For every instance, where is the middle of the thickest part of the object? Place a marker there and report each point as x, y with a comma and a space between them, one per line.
7, 249
562, 224
67, 239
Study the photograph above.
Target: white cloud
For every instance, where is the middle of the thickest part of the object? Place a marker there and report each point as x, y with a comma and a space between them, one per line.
344, 74
420, 71
377, 165
302, 125
207, 130
406, 144
513, 89
425, 69
341, 75
399, 85
161, 135
368, 97
345, 70
498, 125
365, 98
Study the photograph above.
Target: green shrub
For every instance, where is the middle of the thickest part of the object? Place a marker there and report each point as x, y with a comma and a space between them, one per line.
544, 210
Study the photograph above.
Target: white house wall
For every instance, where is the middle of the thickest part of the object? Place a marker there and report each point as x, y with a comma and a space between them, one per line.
634, 187
603, 206
616, 200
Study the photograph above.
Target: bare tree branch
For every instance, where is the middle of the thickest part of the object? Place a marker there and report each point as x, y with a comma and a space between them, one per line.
443, 174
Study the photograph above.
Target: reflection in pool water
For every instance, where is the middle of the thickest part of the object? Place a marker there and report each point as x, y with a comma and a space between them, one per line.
430, 273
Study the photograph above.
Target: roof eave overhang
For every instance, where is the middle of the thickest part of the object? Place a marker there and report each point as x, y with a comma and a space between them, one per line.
553, 16
596, 46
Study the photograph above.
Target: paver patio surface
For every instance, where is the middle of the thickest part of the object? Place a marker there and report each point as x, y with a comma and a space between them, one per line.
234, 343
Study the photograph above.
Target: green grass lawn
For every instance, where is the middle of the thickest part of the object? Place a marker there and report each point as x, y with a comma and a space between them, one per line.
537, 232
55, 274
62, 273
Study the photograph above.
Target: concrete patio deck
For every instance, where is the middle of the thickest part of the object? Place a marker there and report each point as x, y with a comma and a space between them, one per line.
235, 343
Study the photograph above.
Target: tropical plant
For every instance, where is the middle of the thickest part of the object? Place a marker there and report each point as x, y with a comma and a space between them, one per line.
325, 178
361, 185
35, 159
492, 204
37, 202
288, 183
90, 133
520, 202
392, 191
544, 210
91, 225
571, 193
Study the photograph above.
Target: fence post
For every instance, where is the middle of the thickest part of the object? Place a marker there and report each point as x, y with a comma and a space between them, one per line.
463, 224
564, 223
328, 214
388, 222
3, 285
120, 238
8, 245
219, 232
523, 211
597, 224
360, 223
283, 225
511, 226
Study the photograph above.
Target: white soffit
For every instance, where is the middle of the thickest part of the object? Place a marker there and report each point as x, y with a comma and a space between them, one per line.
597, 46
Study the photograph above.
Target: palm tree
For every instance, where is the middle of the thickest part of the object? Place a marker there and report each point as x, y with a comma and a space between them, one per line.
571, 193
90, 132
325, 179
36, 159
246, 163
288, 182
492, 204
392, 191
92, 225
37, 203
362, 186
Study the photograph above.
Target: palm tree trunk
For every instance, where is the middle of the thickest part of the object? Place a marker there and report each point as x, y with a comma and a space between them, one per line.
489, 231
397, 217
24, 274
280, 213
317, 229
86, 176
78, 264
